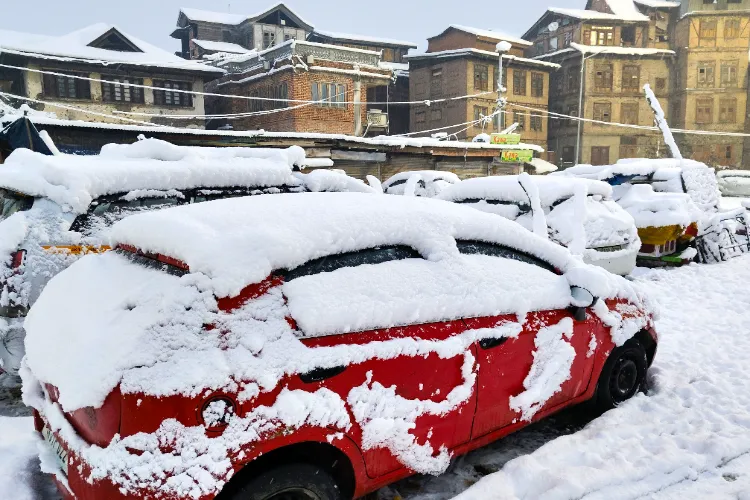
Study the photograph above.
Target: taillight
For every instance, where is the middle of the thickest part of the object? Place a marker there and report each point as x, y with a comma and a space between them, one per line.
18, 259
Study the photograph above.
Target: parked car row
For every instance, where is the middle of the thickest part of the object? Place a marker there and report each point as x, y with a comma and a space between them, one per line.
204, 323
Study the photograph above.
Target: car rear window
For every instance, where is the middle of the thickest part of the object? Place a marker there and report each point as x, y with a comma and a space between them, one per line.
470, 247
11, 202
350, 259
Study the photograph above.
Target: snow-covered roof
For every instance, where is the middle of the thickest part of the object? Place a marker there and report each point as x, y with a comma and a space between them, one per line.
75, 181
509, 188
483, 53
595, 15
227, 18
626, 9
658, 4
231, 48
543, 166
494, 35
77, 46
625, 51
364, 38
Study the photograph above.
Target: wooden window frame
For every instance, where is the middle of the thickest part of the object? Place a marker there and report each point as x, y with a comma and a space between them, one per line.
537, 84
631, 78
629, 112
603, 77
708, 78
732, 29
728, 110
64, 87
330, 94
535, 123
167, 99
729, 73
701, 115
600, 152
520, 118
707, 31
519, 82
481, 77
124, 90
602, 111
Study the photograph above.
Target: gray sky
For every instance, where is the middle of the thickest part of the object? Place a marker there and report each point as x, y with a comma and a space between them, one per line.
409, 20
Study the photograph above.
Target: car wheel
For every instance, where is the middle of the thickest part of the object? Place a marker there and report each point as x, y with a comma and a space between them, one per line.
291, 482
623, 375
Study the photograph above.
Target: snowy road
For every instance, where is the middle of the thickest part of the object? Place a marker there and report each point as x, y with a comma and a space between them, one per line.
690, 438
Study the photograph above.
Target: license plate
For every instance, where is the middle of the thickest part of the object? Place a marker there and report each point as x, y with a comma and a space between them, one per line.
57, 448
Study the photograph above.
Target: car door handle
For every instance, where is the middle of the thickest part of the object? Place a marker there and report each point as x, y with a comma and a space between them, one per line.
492, 343
320, 374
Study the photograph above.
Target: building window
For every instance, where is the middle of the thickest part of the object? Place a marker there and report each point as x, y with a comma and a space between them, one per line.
167, 98
728, 111
122, 91
600, 35
539, 48
599, 155
627, 36
631, 78
436, 83
269, 97
573, 80
536, 123
572, 111
480, 112
661, 83
269, 39
706, 74
732, 28
728, 152
704, 110
568, 39
519, 82
553, 44
481, 77
629, 113
537, 84
329, 94
603, 77
603, 111
420, 117
519, 117
436, 115
67, 87
707, 33
729, 73
568, 154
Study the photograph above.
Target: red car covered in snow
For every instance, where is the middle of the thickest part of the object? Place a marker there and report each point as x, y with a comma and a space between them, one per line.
315, 346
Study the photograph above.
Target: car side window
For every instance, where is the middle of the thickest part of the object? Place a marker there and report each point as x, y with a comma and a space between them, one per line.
471, 247
350, 259
523, 208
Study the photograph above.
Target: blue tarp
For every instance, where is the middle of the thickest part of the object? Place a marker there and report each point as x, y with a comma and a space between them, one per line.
23, 134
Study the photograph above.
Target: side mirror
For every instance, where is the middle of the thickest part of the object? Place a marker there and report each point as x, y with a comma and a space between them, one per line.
582, 299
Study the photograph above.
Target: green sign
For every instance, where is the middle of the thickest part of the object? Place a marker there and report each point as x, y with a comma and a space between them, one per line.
517, 156
505, 138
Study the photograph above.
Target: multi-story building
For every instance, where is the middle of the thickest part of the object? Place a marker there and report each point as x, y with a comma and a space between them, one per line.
205, 34
91, 73
464, 61
694, 55
710, 78
607, 52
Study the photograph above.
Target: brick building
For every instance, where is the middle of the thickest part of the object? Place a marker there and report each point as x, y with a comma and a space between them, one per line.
694, 55
463, 61
205, 34
59, 69
339, 77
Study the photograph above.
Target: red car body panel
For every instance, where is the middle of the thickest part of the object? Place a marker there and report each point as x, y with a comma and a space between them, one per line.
485, 417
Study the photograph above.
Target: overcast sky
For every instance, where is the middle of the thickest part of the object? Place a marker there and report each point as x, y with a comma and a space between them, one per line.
409, 20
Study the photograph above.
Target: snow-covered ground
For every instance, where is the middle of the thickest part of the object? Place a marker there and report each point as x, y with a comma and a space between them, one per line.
689, 438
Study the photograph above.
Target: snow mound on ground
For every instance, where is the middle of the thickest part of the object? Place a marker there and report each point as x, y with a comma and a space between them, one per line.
690, 438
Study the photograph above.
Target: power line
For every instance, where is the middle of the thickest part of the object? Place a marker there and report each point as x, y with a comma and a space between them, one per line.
424, 102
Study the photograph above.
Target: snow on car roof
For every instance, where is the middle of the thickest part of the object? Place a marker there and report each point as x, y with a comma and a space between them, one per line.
75, 181
240, 241
508, 188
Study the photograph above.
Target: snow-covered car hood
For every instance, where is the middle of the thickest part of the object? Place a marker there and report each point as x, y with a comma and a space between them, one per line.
605, 223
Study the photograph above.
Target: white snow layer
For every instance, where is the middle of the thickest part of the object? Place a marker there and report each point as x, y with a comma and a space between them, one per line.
690, 438
18, 458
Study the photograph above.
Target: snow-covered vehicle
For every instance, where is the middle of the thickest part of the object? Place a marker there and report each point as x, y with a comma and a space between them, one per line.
734, 183
57, 208
266, 345
423, 183
670, 200
576, 213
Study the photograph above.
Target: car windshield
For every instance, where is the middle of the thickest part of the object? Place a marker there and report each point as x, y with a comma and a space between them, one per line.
11, 203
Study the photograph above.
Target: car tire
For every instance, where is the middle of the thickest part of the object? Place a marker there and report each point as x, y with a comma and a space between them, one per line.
291, 482
623, 376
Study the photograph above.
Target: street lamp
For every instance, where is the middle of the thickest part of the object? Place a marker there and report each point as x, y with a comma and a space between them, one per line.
580, 95
502, 48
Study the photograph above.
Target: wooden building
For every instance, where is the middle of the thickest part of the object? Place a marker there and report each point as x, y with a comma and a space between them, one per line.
464, 61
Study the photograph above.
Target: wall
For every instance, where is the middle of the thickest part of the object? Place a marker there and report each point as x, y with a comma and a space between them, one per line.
34, 89
455, 83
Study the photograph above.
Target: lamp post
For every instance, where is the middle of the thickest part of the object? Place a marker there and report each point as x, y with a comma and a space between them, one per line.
502, 48
580, 96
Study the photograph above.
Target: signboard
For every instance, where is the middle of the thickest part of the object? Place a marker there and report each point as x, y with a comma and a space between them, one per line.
505, 138
516, 156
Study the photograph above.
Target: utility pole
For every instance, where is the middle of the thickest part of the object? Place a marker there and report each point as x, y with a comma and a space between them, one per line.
357, 103
580, 109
